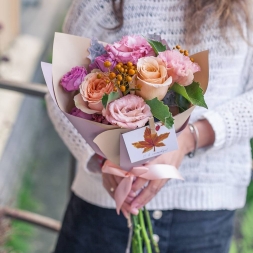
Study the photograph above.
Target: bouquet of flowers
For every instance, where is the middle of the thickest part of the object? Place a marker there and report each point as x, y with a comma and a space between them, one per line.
135, 95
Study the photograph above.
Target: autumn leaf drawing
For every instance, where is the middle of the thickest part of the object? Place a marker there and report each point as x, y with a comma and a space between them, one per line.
151, 141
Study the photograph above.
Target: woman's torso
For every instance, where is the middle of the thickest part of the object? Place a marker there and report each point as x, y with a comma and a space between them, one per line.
209, 169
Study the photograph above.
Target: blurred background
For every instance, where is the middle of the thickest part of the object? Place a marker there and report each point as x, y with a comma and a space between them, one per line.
35, 166
34, 163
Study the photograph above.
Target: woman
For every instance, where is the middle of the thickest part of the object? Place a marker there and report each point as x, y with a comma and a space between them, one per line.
191, 216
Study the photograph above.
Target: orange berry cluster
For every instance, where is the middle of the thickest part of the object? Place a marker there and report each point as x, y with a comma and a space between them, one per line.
185, 52
121, 75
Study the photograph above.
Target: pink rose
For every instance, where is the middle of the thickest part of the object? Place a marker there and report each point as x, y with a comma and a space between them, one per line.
130, 48
72, 80
92, 90
179, 67
129, 111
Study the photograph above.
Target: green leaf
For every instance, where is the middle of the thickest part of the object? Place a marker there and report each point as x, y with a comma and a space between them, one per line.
161, 112
107, 98
193, 93
182, 103
157, 46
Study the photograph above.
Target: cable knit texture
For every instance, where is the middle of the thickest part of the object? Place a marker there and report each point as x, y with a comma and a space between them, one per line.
217, 177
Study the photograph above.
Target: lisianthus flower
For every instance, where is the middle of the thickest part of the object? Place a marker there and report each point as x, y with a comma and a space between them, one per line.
129, 111
130, 49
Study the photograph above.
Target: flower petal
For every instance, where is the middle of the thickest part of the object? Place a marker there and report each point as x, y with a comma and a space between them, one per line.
83, 105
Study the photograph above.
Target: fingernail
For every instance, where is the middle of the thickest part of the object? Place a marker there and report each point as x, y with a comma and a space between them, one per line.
135, 205
132, 194
129, 200
134, 211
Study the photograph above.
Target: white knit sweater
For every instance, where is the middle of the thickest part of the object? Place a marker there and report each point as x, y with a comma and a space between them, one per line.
217, 177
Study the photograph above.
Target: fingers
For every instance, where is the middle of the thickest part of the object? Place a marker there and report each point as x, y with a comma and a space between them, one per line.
138, 184
147, 194
125, 213
118, 179
129, 209
125, 209
109, 183
128, 200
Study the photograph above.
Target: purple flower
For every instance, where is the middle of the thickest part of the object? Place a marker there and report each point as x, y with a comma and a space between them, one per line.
99, 119
99, 63
72, 80
78, 113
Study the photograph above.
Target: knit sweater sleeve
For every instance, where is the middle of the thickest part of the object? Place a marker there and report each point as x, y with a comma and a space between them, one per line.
233, 120
70, 136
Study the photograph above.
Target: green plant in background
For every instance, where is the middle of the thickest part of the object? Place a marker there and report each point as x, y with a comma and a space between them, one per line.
243, 242
251, 143
21, 232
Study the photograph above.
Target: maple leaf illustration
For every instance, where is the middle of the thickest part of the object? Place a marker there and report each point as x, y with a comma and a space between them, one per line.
151, 141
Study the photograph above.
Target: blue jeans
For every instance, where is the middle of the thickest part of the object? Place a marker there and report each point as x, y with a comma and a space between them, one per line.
90, 229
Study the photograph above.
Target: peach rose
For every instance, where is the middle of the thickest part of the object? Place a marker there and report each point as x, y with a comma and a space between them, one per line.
92, 91
152, 78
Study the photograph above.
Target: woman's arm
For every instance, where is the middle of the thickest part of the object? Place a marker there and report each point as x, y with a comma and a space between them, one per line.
221, 127
186, 144
233, 120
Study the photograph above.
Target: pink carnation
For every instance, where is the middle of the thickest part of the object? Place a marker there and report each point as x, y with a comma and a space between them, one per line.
179, 67
72, 80
130, 48
129, 111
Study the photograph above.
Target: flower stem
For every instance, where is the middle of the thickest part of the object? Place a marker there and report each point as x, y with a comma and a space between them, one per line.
150, 230
130, 234
136, 241
144, 232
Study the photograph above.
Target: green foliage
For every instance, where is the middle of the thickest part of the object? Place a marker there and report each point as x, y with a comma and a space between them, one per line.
193, 93
157, 46
233, 247
107, 98
182, 103
250, 193
22, 233
161, 112
247, 229
244, 244
251, 144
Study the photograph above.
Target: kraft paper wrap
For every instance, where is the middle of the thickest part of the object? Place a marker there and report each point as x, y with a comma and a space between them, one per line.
70, 51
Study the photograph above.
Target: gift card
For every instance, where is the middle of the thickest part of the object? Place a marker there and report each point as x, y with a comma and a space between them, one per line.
142, 144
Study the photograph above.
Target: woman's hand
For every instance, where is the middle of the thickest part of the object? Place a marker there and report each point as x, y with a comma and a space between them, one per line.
186, 144
174, 158
110, 183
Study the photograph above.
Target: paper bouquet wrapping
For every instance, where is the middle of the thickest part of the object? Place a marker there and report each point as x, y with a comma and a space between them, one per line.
106, 140
121, 97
